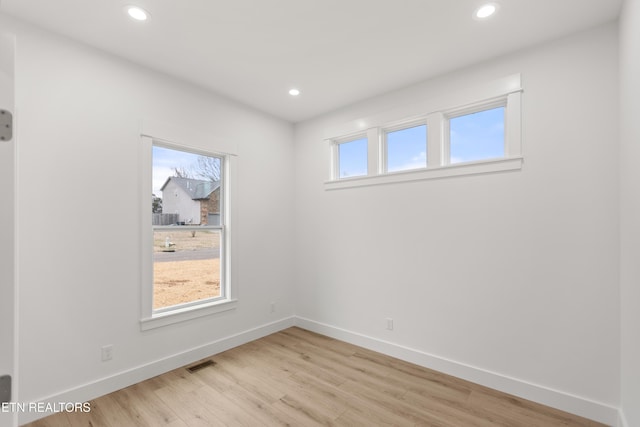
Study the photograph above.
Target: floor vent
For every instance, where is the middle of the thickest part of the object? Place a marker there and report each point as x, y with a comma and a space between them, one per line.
201, 365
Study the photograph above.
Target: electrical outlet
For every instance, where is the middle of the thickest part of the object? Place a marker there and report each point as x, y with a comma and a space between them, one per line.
107, 352
389, 323
273, 307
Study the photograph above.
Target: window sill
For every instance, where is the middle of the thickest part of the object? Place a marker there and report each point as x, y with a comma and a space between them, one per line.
458, 169
182, 314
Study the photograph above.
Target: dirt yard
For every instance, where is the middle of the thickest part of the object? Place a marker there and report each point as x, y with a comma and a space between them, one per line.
184, 281
176, 282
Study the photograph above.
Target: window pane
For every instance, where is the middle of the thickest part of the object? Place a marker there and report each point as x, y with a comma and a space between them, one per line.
186, 266
186, 188
352, 158
477, 136
407, 149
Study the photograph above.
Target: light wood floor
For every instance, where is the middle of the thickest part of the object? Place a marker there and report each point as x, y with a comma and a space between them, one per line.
298, 378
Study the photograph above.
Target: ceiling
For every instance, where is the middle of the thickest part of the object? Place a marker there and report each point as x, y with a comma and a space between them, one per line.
336, 52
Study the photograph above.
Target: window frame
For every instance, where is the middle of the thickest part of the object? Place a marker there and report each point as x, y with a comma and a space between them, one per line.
505, 92
335, 153
465, 111
153, 318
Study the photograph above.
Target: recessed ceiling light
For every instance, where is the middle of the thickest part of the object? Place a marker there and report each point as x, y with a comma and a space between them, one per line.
294, 92
137, 13
486, 10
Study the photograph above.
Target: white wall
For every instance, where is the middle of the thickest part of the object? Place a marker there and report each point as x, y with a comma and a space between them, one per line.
7, 171
630, 209
80, 115
513, 273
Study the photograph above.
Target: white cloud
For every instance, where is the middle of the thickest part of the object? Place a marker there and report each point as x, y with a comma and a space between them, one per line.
416, 162
160, 175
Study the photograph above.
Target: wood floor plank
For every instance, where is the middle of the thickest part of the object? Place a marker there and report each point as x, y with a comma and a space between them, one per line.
358, 407
512, 410
248, 379
347, 368
320, 341
115, 415
57, 420
290, 362
300, 378
454, 415
395, 406
246, 394
187, 408
141, 403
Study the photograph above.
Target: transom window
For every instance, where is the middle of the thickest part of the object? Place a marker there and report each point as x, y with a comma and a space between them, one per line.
406, 148
352, 155
477, 136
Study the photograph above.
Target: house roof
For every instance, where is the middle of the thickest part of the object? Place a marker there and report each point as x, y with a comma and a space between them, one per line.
196, 189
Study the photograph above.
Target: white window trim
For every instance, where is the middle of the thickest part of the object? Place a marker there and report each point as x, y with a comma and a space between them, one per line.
456, 169
151, 318
505, 92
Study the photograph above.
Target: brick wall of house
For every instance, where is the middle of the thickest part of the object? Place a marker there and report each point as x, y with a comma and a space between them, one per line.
211, 205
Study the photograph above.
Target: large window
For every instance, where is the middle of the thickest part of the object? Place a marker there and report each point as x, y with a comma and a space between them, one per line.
186, 249
187, 227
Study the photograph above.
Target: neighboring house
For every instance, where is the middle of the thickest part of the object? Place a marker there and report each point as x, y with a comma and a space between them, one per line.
195, 201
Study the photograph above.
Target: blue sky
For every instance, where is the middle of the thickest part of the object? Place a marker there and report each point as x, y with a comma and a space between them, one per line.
477, 136
407, 148
474, 136
353, 158
165, 160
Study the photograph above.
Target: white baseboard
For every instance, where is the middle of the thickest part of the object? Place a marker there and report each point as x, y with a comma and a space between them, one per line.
140, 373
557, 399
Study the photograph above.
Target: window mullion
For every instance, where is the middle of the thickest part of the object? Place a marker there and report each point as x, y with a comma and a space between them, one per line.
374, 151
435, 140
